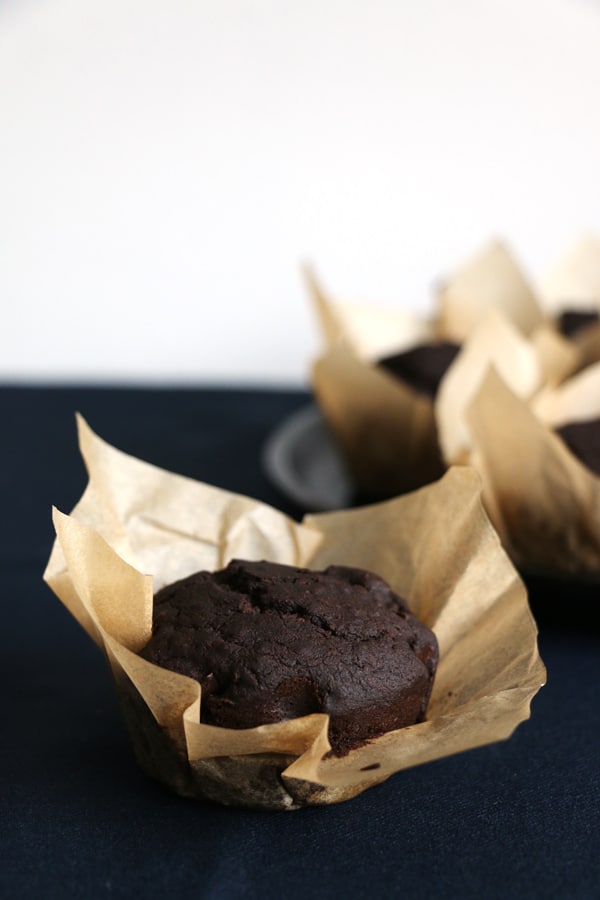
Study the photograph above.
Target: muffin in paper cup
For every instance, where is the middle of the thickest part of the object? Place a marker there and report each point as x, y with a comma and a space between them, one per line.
529, 366
137, 528
494, 280
394, 437
544, 502
384, 429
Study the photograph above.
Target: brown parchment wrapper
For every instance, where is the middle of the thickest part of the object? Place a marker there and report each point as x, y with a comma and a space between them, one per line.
575, 279
494, 341
574, 283
544, 503
492, 280
138, 527
393, 438
370, 331
386, 431
529, 365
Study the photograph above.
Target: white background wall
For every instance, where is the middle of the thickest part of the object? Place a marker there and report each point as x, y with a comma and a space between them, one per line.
166, 167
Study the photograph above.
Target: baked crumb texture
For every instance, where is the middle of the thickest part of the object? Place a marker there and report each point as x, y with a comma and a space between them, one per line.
270, 642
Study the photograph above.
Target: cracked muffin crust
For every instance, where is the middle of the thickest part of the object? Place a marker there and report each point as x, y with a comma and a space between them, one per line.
270, 642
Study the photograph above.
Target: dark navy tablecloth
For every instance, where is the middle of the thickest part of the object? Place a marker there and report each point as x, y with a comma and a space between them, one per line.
518, 819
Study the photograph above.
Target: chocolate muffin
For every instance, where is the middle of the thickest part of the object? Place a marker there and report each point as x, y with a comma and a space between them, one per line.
422, 367
570, 321
583, 440
270, 642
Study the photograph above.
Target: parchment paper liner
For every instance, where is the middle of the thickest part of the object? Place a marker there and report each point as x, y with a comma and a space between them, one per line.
543, 501
370, 331
436, 547
386, 431
575, 279
491, 281
575, 283
393, 438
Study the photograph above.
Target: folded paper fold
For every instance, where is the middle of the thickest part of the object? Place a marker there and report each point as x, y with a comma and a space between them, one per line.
544, 502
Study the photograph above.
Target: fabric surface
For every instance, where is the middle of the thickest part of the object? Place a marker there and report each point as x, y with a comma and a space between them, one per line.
518, 819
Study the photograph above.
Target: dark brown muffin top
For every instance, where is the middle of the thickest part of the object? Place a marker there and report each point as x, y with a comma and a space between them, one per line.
583, 440
270, 642
422, 367
570, 321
